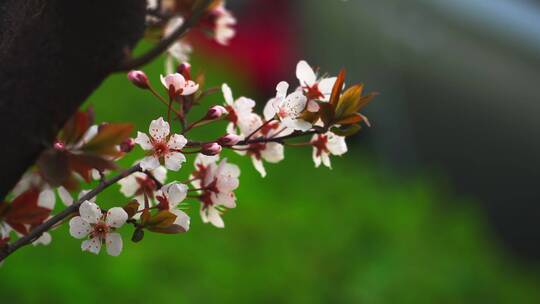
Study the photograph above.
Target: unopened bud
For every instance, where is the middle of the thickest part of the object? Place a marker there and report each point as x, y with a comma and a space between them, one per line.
58, 145
211, 149
229, 140
139, 79
127, 145
185, 70
215, 112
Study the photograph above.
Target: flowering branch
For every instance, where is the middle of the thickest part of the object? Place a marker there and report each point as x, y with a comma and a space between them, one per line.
39, 230
320, 107
166, 42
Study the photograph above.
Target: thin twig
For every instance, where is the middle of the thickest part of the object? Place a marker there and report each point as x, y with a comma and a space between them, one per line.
39, 230
166, 42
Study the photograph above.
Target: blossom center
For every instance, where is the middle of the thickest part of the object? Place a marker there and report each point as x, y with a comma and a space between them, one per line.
313, 92
160, 148
320, 144
232, 116
147, 185
100, 230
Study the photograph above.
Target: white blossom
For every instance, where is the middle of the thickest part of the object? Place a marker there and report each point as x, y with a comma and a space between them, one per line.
271, 152
325, 145
179, 84
224, 25
217, 182
180, 49
288, 108
313, 88
169, 197
99, 228
238, 110
160, 145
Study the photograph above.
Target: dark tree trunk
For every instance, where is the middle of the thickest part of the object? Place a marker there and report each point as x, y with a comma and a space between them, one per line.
53, 54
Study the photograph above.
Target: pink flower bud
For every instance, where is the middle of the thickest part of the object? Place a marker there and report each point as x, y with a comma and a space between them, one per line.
58, 145
139, 79
185, 70
211, 149
215, 112
229, 140
127, 145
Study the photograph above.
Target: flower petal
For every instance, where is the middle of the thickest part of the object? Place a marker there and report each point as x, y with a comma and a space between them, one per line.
174, 160
227, 94
45, 239
190, 87
316, 158
116, 217
92, 245
212, 215
114, 243
259, 166
65, 196
336, 144
182, 219
176, 193
159, 129
90, 212
144, 141
305, 74
177, 142
325, 157
129, 184
79, 228
273, 153
150, 162
281, 90
47, 199
160, 173
326, 85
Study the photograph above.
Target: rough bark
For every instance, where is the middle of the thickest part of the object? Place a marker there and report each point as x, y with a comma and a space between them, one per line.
53, 54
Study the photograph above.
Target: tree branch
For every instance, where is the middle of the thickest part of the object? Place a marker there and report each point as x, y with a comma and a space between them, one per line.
165, 43
39, 230
262, 139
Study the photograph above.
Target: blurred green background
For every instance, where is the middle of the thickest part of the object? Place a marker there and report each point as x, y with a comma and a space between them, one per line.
355, 234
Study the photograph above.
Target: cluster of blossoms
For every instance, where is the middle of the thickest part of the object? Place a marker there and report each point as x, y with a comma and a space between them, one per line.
170, 15
318, 110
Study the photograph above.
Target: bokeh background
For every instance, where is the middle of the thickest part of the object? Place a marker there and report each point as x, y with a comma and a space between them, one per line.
437, 203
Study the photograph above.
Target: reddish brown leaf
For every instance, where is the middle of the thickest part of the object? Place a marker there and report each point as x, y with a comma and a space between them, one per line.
84, 163
162, 219
351, 119
24, 210
171, 229
79, 123
327, 113
54, 167
336, 89
107, 139
131, 208
348, 131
